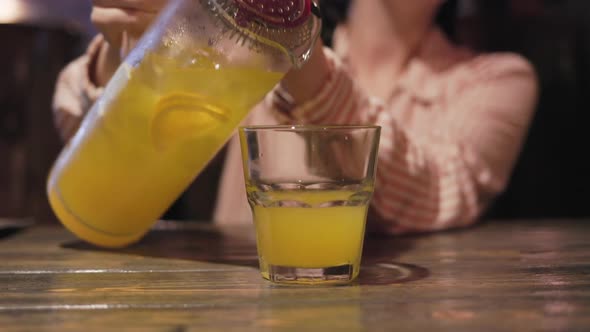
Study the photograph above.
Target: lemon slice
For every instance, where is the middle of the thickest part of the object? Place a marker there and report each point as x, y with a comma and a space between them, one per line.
180, 116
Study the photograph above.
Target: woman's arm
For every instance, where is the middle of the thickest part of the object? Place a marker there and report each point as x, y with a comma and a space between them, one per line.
450, 178
121, 23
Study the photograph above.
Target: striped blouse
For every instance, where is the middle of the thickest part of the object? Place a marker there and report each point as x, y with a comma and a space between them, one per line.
452, 128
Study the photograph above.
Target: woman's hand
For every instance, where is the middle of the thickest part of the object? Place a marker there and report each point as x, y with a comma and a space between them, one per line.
114, 18
121, 22
304, 83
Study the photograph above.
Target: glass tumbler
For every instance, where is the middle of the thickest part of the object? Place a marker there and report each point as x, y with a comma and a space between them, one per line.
309, 189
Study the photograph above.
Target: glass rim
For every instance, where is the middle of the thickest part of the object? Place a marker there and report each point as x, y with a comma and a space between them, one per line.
305, 127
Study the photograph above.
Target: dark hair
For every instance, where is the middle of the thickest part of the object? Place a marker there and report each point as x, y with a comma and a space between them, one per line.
336, 11
333, 13
446, 18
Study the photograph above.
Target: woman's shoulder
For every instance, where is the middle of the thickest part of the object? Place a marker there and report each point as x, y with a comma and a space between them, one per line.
495, 65
500, 69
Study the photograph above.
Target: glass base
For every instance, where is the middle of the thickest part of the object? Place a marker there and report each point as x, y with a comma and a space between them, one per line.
341, 274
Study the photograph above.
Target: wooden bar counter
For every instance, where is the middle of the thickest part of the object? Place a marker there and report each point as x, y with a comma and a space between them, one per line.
520, 275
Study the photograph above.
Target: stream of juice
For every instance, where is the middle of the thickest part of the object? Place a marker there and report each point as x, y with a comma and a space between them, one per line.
141, 145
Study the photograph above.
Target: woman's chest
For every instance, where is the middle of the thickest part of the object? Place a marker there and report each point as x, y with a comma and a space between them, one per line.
415, 112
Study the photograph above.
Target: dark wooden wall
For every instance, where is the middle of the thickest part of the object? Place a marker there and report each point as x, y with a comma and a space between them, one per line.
552, 177
30, 61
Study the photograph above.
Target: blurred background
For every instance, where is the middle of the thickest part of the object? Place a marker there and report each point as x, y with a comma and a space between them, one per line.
551, 179
38, 38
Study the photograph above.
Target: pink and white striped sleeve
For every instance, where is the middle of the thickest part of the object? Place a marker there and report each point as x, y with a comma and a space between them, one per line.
445, 176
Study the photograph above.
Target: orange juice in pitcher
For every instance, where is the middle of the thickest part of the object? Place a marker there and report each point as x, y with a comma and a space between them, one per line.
169, 108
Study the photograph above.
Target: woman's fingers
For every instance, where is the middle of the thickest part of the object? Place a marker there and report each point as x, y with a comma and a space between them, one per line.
115, 17
67, 124
112, 22
153, 6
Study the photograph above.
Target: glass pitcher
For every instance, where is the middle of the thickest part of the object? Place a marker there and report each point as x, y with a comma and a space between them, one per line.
170, 107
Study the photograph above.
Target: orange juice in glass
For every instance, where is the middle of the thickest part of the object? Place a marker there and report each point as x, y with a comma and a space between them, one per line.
309, 189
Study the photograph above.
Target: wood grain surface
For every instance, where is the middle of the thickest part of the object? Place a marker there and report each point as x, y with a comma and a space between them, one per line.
497, 276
